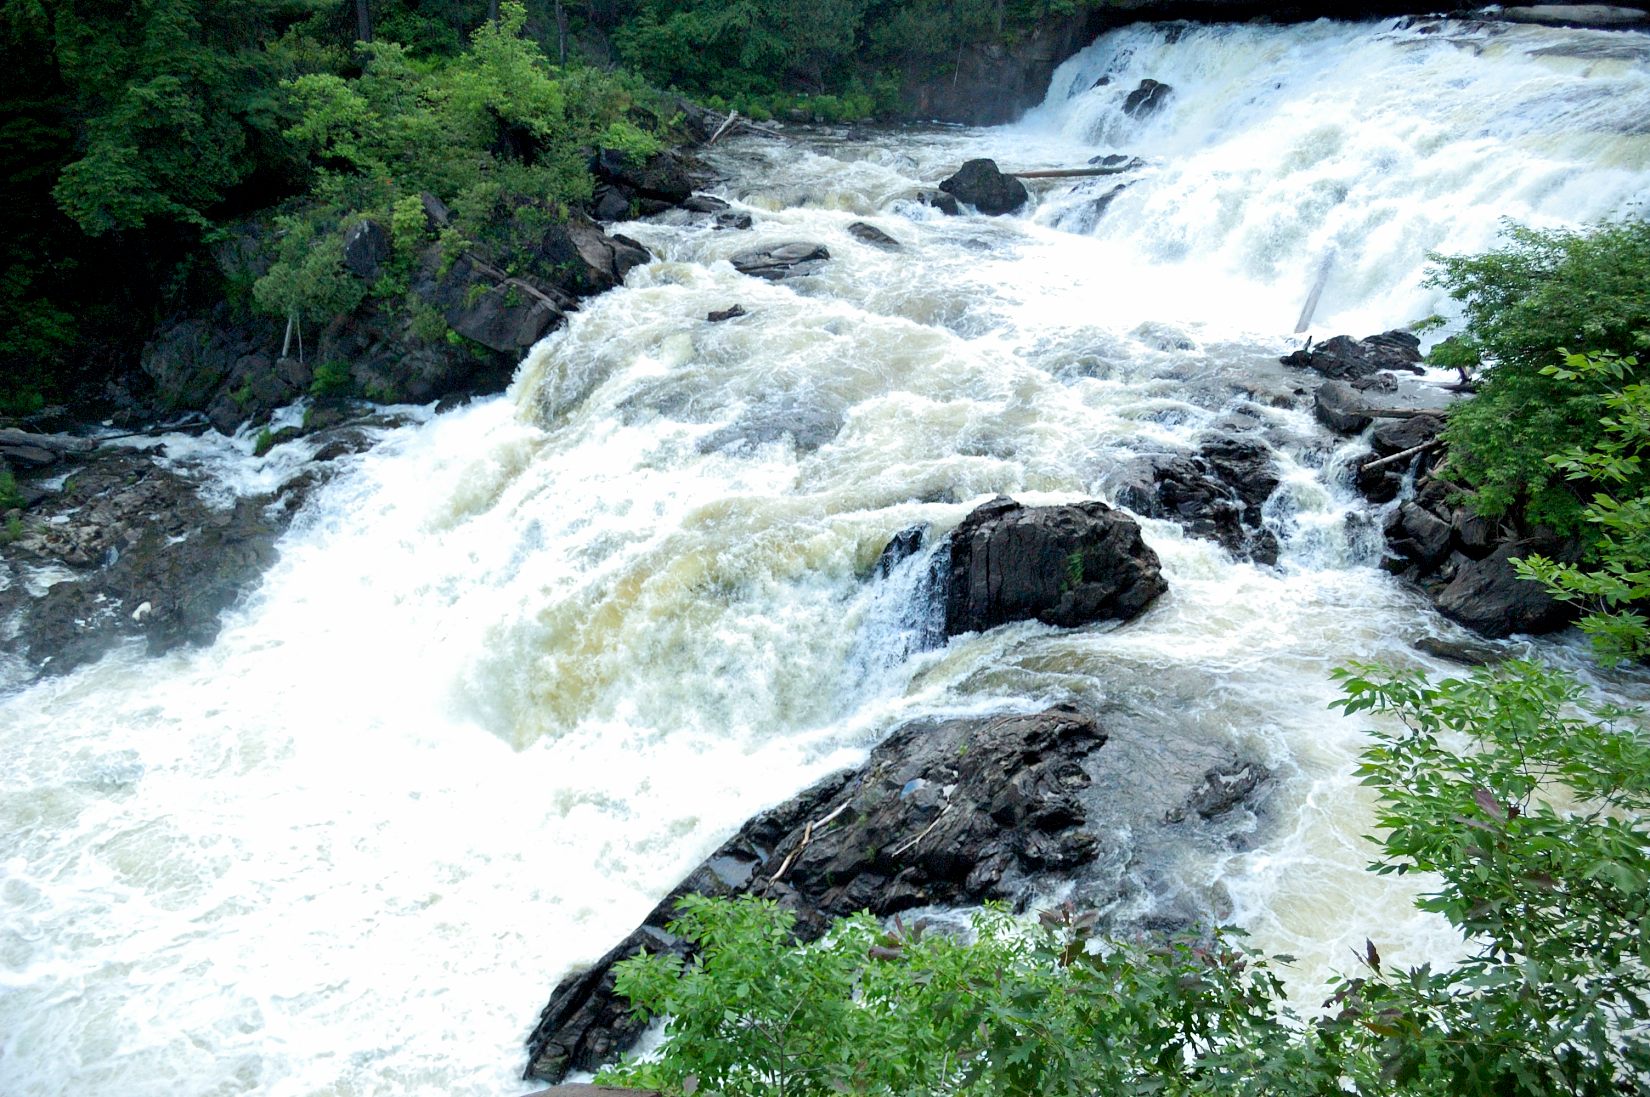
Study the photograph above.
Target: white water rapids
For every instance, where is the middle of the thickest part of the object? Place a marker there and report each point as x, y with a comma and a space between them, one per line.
524, 664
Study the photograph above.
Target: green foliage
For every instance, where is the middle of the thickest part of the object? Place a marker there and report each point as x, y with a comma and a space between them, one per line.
1538, 837
332, 378
9, 495
308, 281
1615, 585
1525, 304
1528, 809
264, 443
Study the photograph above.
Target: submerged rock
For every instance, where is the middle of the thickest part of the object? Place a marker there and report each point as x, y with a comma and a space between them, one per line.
955, 812
1062, 565
784, 261
872, 235
980, 184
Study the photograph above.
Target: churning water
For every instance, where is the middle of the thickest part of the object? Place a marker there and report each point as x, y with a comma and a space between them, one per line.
523, 664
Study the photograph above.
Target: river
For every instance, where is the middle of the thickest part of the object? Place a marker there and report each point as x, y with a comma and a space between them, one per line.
522, 664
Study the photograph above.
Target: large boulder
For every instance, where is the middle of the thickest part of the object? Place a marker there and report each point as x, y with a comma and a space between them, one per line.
980, 184
366, 248
956, 812
1063, 565
1216, 493
1488, 596
1344, 358
654, 183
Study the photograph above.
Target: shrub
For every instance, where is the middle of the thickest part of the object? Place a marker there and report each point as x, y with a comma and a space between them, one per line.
1525, 304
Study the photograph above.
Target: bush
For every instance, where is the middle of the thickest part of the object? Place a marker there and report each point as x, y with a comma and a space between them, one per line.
1537, 837
1525, 305
9, 495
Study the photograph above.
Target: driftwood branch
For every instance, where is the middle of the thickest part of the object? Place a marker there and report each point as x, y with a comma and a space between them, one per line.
1400, 455
807, 836
733, 116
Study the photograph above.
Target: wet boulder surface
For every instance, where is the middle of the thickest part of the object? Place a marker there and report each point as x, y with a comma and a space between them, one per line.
942, 813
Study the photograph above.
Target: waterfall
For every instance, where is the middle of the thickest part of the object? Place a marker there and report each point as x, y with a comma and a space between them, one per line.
524, 663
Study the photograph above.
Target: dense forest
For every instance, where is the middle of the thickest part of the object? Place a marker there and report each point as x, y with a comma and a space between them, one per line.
139, 140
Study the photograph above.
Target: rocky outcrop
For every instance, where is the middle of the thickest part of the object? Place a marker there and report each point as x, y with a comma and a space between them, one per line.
950, 813
980, 184
1609, 16
1463, 562
1215, 493
1344, 358
1062, 565
775, 264
146, 557
638, 187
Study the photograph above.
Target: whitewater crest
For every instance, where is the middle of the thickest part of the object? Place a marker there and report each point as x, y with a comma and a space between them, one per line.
522, 665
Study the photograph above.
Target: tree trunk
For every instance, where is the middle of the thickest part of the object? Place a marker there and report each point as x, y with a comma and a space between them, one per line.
363, 21
561, 31
492, 11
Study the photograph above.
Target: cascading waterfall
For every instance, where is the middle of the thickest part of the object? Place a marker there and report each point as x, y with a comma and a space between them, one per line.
523, 664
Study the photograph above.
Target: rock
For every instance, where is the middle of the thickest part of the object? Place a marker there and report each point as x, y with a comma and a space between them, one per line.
366, 247
1344, 358
726, 314
189, 359
872, 235
952, 812
585, 259
1342, 408
663, 177
1397, 435
1418, 536
150, 560
1062, 565
1475, 534
1488, 596
1575, 15
1147, 99
436, 213
775, 264
734, 221
27, 457
608, 203
981, 185
705, 203
945, 203
1118, 162
901, 547
1216, 494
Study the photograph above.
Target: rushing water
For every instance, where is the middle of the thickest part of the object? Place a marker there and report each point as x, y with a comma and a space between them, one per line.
524, 663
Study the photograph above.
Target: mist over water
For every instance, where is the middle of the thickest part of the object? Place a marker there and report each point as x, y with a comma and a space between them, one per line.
523, 664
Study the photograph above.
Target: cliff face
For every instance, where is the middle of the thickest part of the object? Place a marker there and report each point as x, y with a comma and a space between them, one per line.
996, 82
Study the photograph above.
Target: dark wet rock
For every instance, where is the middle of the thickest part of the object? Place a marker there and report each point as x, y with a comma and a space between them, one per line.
1464, 652
1062, 565
609, 204
24, 456
366, 248
872, 235
189, 359
664, 177
900, 548
1342, 408
732, 221
726, 314
953, 812
506, 315
1118, 162
1222, 791
150, 560
436, 213
705, 203
1488, 596
1394, 436
1344, 358
775, 264
1418, 536
980, 184
1216, 494
945, 203
1475, 535
806, 426
1147, 99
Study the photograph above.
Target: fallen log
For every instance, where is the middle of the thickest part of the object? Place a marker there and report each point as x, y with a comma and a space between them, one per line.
51, 443
1400, 455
